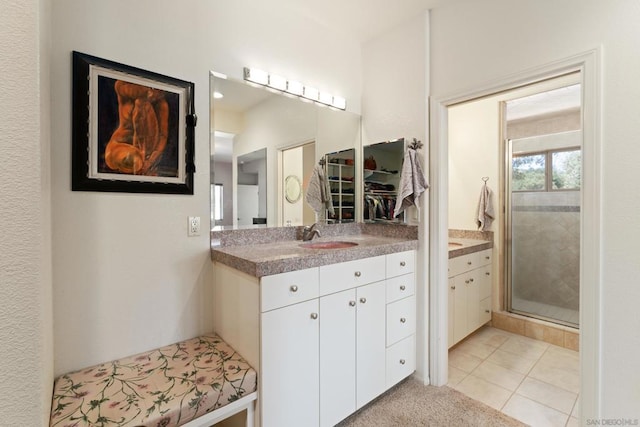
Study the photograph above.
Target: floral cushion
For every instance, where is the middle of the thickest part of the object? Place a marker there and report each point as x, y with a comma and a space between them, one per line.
168, 386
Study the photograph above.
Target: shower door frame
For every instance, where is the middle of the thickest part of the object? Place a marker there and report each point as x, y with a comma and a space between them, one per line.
508, 236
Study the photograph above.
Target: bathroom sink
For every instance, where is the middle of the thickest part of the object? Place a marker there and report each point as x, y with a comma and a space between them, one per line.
328, 245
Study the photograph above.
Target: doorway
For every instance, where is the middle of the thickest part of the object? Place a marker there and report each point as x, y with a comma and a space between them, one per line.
590, 259
296, 165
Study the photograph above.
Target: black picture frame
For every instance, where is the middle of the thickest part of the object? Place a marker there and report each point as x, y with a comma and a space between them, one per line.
133, 130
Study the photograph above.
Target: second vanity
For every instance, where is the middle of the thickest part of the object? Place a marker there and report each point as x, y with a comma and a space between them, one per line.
328, 330
470, 283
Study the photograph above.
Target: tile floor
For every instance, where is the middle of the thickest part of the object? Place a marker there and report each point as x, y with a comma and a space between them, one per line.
546, 310
533, 381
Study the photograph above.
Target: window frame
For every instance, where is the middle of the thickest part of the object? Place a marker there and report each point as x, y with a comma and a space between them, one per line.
548, 169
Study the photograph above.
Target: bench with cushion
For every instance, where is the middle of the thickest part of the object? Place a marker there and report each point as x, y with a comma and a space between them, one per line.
197, 382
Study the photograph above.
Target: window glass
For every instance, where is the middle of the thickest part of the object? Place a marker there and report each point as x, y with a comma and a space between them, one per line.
528, 172
566, 171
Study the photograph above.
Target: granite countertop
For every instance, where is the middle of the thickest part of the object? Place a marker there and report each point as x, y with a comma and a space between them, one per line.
460, 246
263, 259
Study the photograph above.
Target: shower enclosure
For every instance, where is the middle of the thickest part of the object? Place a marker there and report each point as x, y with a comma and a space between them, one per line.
543, 227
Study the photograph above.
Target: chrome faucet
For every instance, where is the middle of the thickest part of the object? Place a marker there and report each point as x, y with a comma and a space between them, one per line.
309, 231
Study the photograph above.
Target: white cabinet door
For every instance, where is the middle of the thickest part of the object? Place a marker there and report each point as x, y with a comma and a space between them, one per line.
472, 283
289, 386
370, 338
459, 308
337, 357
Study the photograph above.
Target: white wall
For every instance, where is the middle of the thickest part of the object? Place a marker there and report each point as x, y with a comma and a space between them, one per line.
394, 99
26, 364
474, 152
126, 277
473, 43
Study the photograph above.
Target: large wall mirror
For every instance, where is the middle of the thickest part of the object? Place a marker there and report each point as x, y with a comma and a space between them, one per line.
264, 148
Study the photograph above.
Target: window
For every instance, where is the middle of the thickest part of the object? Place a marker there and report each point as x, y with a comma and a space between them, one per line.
547, 171
566, 170
528, 172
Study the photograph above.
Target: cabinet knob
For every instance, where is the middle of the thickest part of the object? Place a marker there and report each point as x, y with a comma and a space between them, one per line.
466, 281
358, 274
402, 263
314, 316
352, 303
293, 288
453, 287
471, 280
403, 320
487, 257
402, 361
403, 287
363, 300
468, 262
487, 273
487, 311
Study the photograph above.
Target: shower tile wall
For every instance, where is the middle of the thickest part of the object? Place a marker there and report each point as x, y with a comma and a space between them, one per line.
546, 248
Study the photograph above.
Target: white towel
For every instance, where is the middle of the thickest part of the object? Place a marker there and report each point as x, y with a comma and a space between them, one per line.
485, 212
318, 192
412, 183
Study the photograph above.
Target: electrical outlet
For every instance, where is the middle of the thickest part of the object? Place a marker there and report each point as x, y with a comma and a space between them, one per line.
193, 228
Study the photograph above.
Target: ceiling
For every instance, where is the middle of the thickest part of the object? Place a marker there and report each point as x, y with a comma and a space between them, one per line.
564, 98
361, 19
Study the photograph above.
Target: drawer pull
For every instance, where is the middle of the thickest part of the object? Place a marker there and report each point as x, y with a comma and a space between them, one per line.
453, 287
358, 274
314, 316
487, 273
363, 300
469, 263
293, 288
402, 361
403, 287
403, 320
402, 263
352, 303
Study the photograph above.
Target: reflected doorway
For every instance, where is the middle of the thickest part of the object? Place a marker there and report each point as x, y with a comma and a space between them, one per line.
296, 166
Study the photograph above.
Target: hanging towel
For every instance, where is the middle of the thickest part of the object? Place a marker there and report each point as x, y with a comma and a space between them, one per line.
412, 182
485, 211
319, 193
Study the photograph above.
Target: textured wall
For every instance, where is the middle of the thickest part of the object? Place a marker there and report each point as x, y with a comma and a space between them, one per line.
126, 277
25, 288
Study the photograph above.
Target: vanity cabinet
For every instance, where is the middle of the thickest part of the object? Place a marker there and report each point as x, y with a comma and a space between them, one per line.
469, 294
352, 350
289, 380
325, 341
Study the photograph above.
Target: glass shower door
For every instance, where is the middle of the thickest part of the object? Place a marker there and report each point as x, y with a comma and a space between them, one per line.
543, 227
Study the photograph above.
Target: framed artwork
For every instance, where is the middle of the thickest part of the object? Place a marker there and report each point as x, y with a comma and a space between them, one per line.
133, 130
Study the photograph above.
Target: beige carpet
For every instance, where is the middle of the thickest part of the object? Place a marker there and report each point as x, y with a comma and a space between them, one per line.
411, 403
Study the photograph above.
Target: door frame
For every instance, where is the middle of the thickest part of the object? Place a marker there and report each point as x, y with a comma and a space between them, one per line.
589, 65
